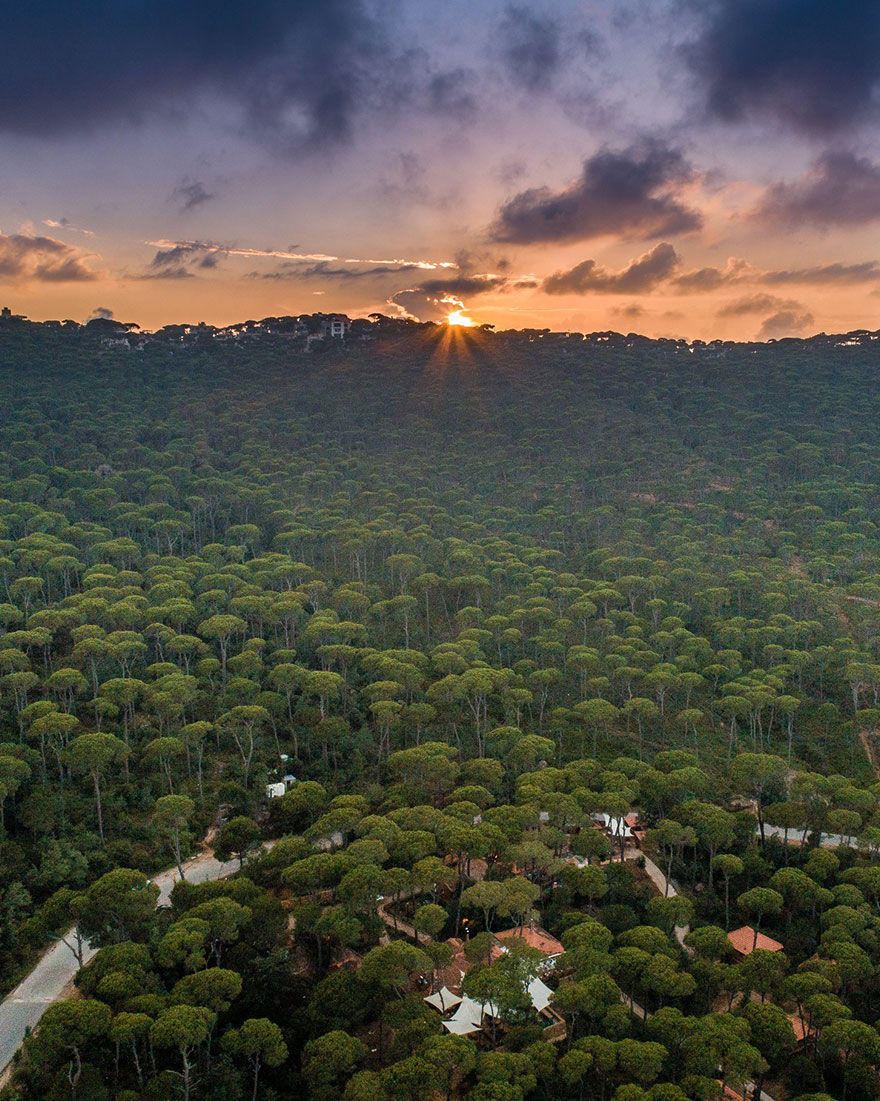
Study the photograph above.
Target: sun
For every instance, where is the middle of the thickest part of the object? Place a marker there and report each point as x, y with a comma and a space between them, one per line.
457, 317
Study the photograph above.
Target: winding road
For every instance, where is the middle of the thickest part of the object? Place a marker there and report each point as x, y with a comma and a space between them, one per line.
22, 1009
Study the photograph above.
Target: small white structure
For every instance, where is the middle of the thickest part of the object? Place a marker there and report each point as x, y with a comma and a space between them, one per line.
275, 791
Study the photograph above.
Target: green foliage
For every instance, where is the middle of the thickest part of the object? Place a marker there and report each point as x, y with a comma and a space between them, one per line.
459, 607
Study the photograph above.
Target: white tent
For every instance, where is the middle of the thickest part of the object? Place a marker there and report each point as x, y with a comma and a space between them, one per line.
466, 1019
540, 994
460, 1028
443, 1000
616, 826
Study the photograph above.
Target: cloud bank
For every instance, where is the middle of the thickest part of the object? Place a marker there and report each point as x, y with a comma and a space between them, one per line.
25, 257
809, 64
840, 189
634, 192
297, 73
638, 277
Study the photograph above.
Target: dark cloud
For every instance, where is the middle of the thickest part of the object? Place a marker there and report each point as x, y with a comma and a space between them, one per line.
191, 194
632, 192
630, 312
865, 272
452, 93
418, 304
471, 262
43, 259
297, 72
176, 261
102, 313
184, 251
757, 303
813, 64
737, 270
530, 47
638, 277
466, 285
167, 273
434, 299
705, 280
323, 269
785, 323
839, 189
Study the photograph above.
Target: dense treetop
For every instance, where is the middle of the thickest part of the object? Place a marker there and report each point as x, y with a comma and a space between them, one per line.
476, 587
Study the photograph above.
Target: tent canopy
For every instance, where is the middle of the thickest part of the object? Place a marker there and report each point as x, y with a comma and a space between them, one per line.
443, 999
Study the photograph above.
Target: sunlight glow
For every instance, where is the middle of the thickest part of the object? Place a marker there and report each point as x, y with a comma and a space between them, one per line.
457, 317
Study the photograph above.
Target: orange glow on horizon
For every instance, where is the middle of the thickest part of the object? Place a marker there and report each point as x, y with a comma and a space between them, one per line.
457, 317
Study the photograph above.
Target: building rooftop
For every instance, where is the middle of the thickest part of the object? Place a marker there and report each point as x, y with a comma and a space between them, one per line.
533, 937
743, 941
801, 1031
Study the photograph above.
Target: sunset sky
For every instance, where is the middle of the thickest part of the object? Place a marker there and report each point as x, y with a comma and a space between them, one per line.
695, 168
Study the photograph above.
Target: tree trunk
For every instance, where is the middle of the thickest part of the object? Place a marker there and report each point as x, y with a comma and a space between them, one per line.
257, 1078
97, 782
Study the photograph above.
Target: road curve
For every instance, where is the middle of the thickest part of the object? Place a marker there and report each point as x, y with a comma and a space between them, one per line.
57, 967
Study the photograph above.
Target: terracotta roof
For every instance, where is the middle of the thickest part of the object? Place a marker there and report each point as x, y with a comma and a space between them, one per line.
534, 937
801, 1031
743, 941
452, 974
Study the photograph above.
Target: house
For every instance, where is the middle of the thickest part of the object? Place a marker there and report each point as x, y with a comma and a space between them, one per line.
745, 940
462, 1016
532, 936
336, 326
453, 973
278, 787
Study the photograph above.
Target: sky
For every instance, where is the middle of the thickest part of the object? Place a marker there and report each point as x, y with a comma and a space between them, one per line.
682, 168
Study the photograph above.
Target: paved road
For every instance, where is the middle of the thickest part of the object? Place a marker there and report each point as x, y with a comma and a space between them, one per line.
23, 1008
663, 885
57, 967
829, 840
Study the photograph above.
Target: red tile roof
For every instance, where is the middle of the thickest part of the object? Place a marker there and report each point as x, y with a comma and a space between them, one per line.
801, 1031
534, 937
743, 941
